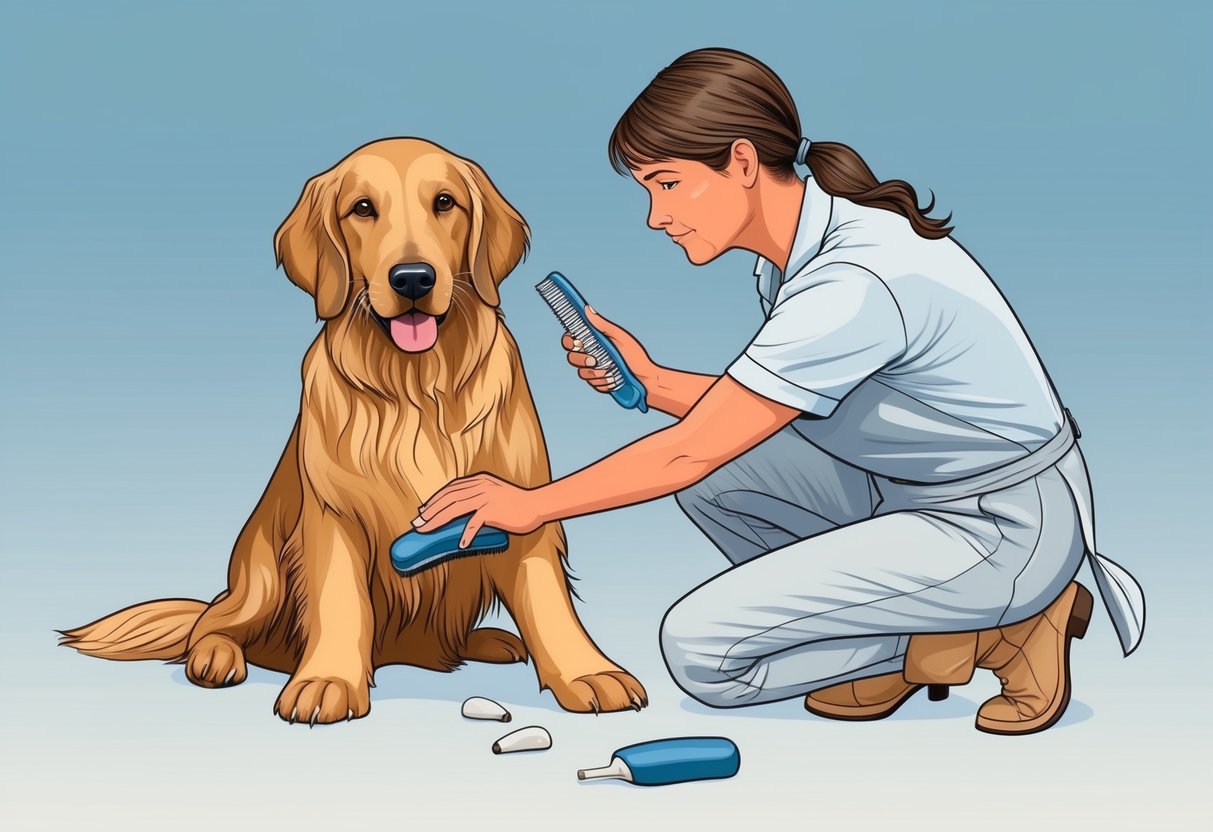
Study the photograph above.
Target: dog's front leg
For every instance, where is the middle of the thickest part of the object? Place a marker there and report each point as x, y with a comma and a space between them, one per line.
532, 583
332, 599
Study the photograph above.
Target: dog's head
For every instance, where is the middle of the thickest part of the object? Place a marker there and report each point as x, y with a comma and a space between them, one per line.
405, 232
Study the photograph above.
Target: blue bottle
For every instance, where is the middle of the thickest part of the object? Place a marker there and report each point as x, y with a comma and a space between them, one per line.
674, 760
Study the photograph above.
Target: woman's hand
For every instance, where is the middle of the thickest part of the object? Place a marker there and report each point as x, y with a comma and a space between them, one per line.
491, 502
634, 355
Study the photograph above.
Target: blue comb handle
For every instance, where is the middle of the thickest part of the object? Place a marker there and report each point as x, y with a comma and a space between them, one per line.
414, 551
569, 306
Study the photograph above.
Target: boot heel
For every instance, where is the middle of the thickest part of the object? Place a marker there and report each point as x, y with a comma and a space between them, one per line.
1080, 613
937, 693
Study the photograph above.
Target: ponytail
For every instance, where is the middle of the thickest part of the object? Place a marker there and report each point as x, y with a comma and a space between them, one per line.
841, 171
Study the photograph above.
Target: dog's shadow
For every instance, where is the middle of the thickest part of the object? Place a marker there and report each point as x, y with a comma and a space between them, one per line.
509, 684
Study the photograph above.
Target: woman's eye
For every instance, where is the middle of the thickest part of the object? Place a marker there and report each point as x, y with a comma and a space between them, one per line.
667, 186
364, 208
443, 203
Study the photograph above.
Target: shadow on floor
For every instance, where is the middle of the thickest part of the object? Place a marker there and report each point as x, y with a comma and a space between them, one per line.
516, 685
918, 708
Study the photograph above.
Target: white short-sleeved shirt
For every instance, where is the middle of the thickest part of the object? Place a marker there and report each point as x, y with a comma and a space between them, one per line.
903, 347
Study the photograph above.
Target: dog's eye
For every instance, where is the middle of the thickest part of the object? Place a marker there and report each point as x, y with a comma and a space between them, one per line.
443, 203
364, 208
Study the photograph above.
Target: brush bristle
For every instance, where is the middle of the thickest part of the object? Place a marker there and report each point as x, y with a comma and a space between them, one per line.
449, 556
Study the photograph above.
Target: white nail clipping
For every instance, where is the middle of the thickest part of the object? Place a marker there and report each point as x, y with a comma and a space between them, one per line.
531, 738
480, 708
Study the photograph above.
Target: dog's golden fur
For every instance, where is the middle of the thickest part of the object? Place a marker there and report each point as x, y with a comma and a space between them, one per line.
311, 591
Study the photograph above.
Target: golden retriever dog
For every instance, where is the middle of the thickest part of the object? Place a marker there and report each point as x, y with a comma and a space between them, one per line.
413, 380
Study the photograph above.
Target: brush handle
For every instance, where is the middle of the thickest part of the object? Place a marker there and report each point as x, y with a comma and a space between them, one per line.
630, 391
680, 760
414, 550
668, 761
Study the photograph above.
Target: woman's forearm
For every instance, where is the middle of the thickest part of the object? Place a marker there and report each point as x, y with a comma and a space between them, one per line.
725, 422
674, 391
654, 466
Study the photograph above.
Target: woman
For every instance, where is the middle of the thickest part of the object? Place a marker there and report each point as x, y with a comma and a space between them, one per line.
886, 464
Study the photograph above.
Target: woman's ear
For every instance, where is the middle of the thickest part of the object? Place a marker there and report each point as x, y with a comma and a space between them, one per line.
311, 249
499, 236
743, 162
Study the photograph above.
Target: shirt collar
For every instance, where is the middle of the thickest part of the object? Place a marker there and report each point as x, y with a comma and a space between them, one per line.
816, 208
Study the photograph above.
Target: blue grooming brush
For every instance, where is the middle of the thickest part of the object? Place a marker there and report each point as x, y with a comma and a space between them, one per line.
415, 551
569, 306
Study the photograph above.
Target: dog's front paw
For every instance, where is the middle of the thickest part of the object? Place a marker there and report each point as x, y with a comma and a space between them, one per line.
609, 690
216, 661
314, 698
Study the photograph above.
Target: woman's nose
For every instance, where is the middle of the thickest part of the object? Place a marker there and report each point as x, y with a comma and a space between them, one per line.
659, 219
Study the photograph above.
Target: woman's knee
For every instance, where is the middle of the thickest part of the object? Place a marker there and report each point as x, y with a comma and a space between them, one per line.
685, 646
680, 633
695, 649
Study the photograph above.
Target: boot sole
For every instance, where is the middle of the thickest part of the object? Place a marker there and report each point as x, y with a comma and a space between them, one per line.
1076, 627
870, 713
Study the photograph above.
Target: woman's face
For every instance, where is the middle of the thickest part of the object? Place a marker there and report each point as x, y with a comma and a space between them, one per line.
700, 209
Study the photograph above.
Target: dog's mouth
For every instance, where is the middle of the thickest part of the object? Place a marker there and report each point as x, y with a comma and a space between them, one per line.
414, 331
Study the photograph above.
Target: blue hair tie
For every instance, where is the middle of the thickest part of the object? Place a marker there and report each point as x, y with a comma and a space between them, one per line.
802, 152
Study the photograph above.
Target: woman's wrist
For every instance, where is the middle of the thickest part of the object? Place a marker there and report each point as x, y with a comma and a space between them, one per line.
676, 391
545, 511
656, 377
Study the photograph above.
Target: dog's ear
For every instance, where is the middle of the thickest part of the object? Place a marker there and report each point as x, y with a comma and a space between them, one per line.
499, 237
311, 249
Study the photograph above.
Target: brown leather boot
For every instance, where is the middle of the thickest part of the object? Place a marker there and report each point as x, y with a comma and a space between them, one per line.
933, 661
941, 658
873, 698
1032, 660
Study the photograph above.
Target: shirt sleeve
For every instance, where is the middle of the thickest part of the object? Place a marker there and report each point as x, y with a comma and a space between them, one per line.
829, 330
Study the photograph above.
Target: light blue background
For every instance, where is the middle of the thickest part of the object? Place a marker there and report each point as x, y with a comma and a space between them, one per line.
149, 375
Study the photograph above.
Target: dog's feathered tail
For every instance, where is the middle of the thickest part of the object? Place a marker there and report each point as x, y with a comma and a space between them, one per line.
153, 630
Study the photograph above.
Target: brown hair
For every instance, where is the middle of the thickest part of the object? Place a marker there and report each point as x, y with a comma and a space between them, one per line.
705, 100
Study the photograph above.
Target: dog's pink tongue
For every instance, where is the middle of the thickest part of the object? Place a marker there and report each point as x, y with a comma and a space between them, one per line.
414, 331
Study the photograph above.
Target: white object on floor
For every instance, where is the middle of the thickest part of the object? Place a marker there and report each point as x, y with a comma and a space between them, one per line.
531, 738
480, 708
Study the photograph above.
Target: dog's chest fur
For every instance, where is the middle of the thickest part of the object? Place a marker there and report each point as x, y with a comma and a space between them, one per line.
383, 455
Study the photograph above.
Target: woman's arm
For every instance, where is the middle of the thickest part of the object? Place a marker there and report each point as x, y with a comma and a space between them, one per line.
675, 391
726, 422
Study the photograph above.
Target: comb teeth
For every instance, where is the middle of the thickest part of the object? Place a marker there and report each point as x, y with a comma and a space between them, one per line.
577, 327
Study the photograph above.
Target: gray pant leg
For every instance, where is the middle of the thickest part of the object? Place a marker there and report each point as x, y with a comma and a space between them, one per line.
838, 606
782, 490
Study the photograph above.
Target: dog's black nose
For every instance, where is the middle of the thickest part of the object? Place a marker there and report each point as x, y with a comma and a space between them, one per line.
412, 280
